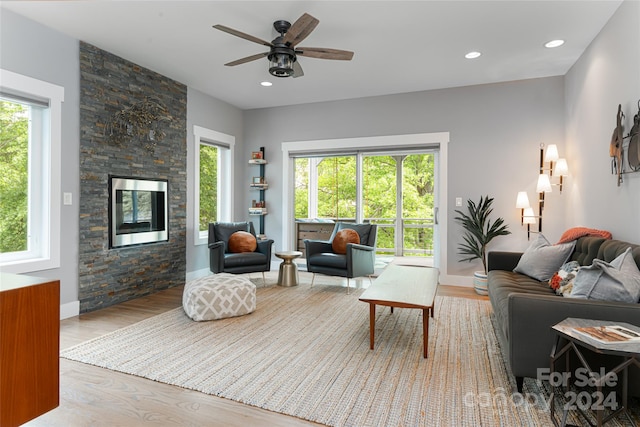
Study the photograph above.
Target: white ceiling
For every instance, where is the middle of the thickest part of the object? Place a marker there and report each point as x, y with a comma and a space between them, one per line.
400, 46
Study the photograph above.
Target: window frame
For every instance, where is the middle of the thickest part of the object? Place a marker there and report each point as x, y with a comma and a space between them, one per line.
48, 256
226, 154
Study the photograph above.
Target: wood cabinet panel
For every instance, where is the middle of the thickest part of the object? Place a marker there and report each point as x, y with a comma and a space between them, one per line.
29, 347
312, 231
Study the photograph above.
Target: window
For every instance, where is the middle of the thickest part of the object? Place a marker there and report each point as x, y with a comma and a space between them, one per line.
30, 152
214, 169
396, 192
208, 184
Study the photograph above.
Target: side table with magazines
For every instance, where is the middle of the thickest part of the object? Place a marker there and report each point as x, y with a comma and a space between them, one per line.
611, 339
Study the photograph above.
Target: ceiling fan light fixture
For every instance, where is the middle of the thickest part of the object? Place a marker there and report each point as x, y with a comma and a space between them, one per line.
283, 53
281, 64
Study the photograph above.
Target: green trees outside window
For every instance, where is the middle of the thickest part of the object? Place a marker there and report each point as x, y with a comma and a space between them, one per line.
208, 185
14, 178
335, 195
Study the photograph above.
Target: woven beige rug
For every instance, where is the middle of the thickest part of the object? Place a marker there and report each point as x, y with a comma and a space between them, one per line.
305, 352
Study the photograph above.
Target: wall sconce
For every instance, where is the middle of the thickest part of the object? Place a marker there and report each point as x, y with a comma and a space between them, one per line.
560, 170
526, 211
543, 185
522, 203
528, 217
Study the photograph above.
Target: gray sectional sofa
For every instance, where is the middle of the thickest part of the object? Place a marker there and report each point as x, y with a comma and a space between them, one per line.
525, 309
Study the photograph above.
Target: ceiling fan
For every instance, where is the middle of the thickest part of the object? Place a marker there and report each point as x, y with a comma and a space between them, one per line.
284, 49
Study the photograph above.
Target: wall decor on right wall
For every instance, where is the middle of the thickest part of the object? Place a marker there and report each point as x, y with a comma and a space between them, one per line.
633, 150
617, 147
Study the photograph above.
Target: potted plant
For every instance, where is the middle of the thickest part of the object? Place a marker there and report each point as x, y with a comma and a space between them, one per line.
478, 232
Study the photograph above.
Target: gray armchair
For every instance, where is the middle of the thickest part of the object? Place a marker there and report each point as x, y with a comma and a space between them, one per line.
358, 261
221, 260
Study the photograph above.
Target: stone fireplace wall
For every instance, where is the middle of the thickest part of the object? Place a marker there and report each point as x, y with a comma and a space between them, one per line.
108, 84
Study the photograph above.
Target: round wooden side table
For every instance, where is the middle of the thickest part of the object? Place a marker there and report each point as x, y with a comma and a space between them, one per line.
288, 275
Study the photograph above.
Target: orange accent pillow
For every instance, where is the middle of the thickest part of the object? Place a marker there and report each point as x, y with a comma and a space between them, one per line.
242, 241
576, 232
347, 235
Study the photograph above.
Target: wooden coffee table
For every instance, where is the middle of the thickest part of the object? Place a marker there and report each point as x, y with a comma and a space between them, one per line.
403, 287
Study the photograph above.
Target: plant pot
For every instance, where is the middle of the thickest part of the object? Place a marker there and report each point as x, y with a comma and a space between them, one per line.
480, 282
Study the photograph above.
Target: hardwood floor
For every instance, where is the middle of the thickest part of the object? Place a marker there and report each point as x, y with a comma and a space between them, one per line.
92, 396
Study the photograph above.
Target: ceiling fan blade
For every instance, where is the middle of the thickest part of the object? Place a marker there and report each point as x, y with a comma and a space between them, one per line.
246, 59
325, 53
300, 29
297, 70
241, 35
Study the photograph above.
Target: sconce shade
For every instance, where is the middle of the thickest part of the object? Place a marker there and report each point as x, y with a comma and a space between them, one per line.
529, 217
544, 184
522, 202
551, 154
561, 168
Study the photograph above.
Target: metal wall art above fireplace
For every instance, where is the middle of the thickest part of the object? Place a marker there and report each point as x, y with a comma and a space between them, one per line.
137, 211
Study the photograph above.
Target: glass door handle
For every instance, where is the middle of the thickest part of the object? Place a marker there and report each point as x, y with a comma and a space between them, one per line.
435, 215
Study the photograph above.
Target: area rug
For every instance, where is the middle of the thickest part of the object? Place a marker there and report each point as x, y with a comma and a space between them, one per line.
305, 352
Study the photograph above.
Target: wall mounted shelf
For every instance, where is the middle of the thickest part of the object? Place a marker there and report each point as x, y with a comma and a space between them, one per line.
258, 183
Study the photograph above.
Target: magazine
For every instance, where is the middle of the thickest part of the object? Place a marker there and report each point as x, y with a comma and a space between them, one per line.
613, 334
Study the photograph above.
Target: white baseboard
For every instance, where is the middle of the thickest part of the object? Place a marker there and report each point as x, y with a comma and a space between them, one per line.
70, 309
192, 275
466, 281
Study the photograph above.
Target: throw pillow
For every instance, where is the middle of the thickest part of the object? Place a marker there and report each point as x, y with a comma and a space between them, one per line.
344, 236
562, 281
618, 280
541, 259
242, 241
576, 232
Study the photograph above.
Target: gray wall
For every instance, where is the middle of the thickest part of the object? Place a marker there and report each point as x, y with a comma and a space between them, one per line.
54, 58
495, 132
607, 74
213, 114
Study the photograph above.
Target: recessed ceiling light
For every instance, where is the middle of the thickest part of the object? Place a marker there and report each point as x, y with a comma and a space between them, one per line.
266, 84
554, 43
472, 55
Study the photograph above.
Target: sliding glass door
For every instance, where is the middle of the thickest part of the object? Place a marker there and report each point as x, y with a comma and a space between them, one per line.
394, 191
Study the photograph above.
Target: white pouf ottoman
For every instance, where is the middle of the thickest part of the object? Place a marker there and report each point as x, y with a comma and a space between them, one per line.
218, 296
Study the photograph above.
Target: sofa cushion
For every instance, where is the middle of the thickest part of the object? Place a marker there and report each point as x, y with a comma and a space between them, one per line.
504, 283
363, 230
586, 249
618, 280
224, 230
242, 241
541, 259
562, 281
242, 259
611, 249
328, 259
344, 236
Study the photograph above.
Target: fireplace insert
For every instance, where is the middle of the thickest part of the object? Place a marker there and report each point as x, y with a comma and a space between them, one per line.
137, 211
